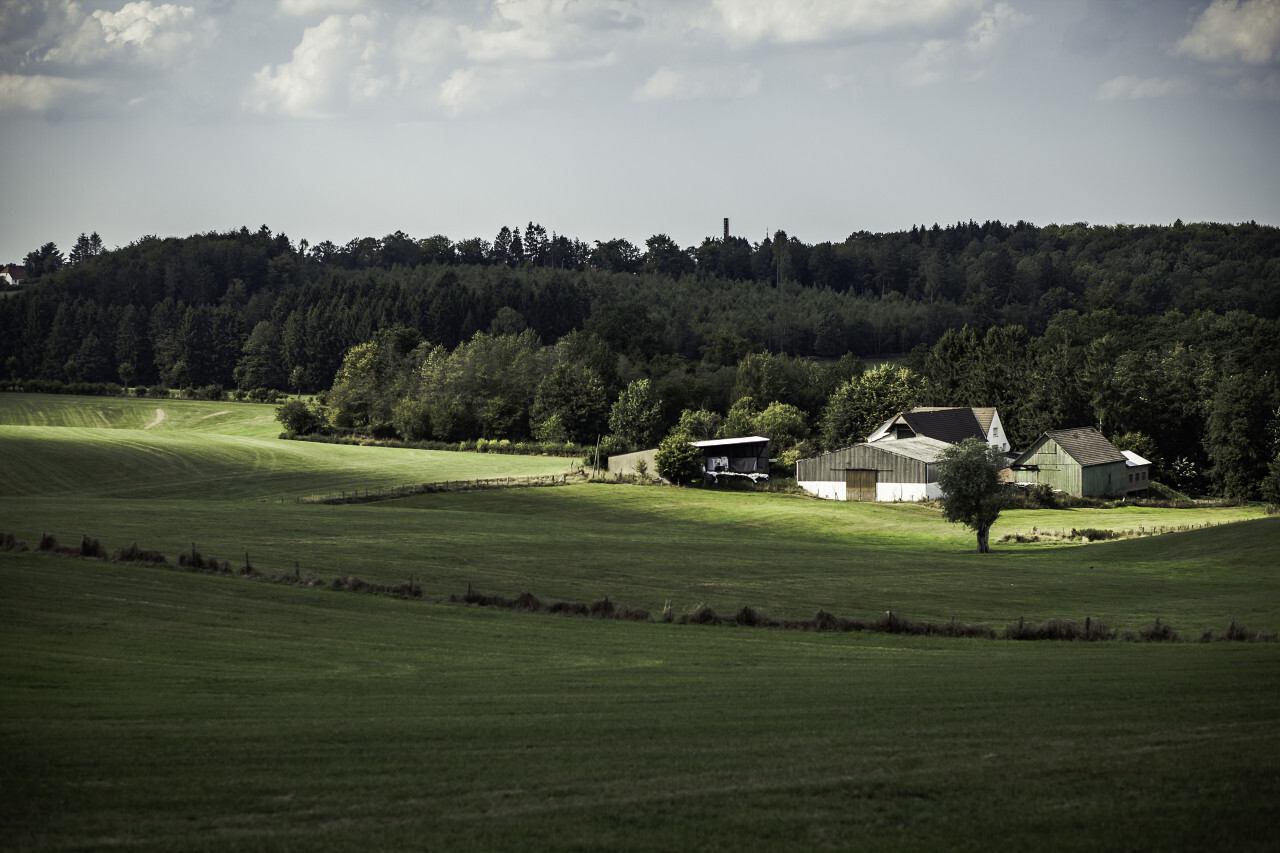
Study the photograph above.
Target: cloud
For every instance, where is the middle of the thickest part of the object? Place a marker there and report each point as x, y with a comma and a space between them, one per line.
544, 30
1131, 88
1229, 31
54, 52
671, 84
38, 92
458, 90
969, 55
139, 32
1263, 88
303, 8
334, 66
812, 21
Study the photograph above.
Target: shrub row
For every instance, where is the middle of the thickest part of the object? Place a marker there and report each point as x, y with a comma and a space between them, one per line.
111, 389
479, 445
605, 608
527, 602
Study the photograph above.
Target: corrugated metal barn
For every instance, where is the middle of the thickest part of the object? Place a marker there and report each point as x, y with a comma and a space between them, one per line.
902, 470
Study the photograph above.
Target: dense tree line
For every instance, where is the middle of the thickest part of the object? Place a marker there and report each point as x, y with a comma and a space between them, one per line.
1163, 334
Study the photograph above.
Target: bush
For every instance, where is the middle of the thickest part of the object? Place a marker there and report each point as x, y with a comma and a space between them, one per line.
92, 548
299, 418
208, 392
677, 459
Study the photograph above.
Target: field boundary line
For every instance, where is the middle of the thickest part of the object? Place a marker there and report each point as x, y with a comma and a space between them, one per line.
381, 493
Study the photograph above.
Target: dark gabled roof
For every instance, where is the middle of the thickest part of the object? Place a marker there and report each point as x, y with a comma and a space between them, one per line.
1086, 445
950, 425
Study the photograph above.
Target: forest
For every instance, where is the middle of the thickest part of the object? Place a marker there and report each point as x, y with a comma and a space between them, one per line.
1163, 337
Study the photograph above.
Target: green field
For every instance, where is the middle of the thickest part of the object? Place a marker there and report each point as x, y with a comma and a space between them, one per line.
97, 447
148, 708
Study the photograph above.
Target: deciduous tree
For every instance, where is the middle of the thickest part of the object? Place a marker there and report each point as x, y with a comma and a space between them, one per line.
969, 477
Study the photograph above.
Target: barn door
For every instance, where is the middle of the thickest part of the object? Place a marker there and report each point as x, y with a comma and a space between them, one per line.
860, 485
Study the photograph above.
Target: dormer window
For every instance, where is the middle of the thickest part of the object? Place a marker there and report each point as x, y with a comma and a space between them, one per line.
904, 432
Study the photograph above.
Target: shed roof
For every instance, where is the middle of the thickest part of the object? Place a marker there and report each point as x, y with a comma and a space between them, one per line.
729, 442
1086, 445
1133, 460
921, 448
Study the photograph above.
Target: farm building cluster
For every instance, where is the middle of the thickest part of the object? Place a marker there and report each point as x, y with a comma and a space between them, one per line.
899, 460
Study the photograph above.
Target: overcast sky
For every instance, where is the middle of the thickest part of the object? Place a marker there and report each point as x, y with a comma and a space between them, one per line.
336, 119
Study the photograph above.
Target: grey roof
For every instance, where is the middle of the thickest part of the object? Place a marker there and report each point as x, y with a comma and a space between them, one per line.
1086, 445
921, 447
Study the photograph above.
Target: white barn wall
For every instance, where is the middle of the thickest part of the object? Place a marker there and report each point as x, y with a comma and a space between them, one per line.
833, 490
907, 491
828, 489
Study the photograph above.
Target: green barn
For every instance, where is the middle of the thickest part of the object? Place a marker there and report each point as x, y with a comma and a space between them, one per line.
1077, 461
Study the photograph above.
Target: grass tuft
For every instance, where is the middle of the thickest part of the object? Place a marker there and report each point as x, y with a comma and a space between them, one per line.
527, 602
9, 543
134, 554
1158, 633
92, 548
700, 615
748, 617
49, 545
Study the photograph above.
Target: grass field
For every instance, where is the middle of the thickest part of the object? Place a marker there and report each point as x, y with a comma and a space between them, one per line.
153, 709
92, 447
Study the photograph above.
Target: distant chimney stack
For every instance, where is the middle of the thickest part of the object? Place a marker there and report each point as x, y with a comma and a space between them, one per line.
726, 229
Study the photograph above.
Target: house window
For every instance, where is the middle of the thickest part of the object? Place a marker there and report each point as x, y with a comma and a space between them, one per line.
995, 432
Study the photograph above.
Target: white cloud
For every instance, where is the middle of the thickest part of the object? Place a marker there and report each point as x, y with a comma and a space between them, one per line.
333, 67
969, 55
1131, 88
142, 32
54, 52
302, 8
1266, 88
808, 21
38, 92
545, 30
671, 84
458, 90
1230, 31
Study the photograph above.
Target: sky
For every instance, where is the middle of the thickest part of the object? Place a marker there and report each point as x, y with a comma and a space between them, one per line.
340, 119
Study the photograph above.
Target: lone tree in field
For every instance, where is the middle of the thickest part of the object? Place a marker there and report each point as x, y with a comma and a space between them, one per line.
969, 477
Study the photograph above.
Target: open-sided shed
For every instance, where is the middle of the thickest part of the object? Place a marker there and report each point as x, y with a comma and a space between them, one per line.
746, 456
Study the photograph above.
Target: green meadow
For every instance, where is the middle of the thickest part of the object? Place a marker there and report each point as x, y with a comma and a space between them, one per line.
149, 708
